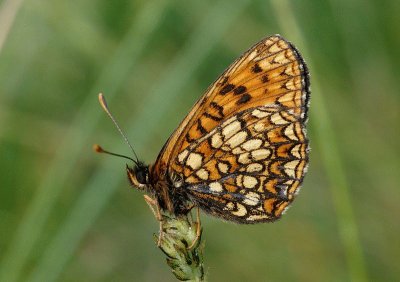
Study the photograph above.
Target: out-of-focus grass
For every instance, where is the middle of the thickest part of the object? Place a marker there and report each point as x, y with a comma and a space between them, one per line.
65, 161
65, 213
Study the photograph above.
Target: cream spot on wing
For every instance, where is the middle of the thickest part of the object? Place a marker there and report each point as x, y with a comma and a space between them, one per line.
289, 70
252, 199
229, 206
244, 158
202, 174
226, 148
241, 210
296, 151
290, 168
257, 217
249, 181
194, 160
231, 129
216, 187
252, 55
237, 151
277, 119
216, 140
252, 144
274, 48
270, 41
289, 182
292, 84
259, 126
239, 180
254, 167
237, 139
259, 114
228, 121
182, 156
282, 59
260, 154
289, 132
223, 167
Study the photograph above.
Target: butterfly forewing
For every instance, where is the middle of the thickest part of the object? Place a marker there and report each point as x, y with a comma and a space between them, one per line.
242, 152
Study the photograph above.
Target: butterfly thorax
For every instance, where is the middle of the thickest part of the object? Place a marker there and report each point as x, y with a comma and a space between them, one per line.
165, 188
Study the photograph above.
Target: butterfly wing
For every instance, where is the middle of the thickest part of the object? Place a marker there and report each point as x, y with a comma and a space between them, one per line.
242, 151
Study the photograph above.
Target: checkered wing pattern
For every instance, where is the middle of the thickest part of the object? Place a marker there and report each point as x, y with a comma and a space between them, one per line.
242, 151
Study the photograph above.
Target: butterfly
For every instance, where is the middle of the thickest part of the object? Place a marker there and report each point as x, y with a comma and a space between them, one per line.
242, 152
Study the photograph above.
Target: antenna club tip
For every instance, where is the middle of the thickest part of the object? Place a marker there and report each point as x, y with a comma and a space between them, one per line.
103, 103
97, 148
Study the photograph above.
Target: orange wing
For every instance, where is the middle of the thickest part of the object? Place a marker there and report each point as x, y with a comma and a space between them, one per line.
241, 152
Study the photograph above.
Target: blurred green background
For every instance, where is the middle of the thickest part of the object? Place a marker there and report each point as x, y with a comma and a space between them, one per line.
67, 214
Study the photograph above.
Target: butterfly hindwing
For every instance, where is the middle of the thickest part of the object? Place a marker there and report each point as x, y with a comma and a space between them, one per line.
256, 165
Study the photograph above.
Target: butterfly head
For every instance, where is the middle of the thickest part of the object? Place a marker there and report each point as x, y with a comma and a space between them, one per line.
138, 175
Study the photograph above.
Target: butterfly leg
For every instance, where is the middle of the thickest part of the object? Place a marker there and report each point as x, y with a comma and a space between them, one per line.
156, 211
153, 203
198, 231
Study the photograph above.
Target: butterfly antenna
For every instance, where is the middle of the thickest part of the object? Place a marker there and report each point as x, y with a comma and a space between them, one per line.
104, 105
98, 149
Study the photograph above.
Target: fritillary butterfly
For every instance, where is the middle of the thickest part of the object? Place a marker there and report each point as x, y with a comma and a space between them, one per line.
242, 152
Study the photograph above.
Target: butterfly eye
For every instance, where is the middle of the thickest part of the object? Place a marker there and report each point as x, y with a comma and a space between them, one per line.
141, 176
138, 176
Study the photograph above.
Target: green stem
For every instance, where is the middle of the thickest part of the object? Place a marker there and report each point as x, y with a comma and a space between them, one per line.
181, 243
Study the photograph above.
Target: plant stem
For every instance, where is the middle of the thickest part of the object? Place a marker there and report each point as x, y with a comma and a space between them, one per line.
181, 242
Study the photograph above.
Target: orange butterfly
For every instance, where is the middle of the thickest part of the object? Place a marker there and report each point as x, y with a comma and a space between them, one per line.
242, 152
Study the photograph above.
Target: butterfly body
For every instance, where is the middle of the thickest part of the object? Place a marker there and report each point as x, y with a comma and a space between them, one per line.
241, 153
